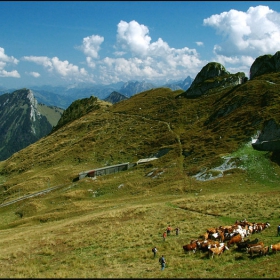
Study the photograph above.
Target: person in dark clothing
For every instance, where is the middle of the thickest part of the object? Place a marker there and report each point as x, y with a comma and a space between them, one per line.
162, 262
278, 230
154, 250
177, 231
168, 230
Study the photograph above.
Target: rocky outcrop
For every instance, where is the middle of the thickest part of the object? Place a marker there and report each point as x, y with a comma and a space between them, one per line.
23, 121
269, 138
211, 77
80, 108
265, 64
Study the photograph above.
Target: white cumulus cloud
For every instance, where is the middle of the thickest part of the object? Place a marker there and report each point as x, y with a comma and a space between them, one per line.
63, 68
137, 57
6, 60
134, 37
91, 45
40, 60
245, 36
253, 33
11, 74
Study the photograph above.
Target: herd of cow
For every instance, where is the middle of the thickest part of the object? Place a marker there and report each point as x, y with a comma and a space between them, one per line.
216, 240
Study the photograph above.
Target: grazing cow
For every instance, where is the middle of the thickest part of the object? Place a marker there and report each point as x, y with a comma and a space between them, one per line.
256, 244
228, 236
190, 247
213, 235
206, 235
210, 231
217, 250
243, 245
255, 250
235, 239
259, 227
250, 229
226, 229
241, 231
213, 242
203, 246
264, 251
242, 223
219, 235
274, 248
267, 224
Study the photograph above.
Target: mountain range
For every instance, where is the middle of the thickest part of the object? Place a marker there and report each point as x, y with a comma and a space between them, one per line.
191, 164
216, 100
63, 96
53, 98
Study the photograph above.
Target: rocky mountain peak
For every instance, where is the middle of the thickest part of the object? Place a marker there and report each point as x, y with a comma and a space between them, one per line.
115, 97
212, 76
22, 121
265, 64
210, 70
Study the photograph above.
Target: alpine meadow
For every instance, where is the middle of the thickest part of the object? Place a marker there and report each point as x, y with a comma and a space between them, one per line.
192, 165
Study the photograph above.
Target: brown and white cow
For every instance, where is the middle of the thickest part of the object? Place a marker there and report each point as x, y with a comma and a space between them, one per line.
235, 239
217, 250
274, 248
218, 235
192, 247
264, 251
260, 243
203, 246
255, 250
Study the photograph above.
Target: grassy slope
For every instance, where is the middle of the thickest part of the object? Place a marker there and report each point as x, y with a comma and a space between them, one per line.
106, 227
53, 114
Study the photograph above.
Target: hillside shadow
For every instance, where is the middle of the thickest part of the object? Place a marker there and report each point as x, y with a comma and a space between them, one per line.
275, 157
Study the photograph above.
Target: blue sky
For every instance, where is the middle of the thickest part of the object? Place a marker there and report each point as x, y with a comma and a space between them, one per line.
62, 43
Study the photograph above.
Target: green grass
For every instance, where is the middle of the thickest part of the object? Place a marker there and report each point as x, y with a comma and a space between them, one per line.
96, 229
70, 233
258, 165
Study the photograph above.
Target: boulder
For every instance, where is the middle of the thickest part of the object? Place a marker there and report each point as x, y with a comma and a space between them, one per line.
269, 138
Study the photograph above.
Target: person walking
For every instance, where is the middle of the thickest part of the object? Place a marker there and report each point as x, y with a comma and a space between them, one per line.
162, 262
168, 230
164, 236
154, 250
278, 230
177, 231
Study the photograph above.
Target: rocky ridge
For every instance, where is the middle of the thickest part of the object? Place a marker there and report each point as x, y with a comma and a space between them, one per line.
210, 78
265, 64
23, 121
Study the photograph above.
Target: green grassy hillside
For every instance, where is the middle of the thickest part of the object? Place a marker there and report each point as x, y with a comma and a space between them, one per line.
52, 114
105, 227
